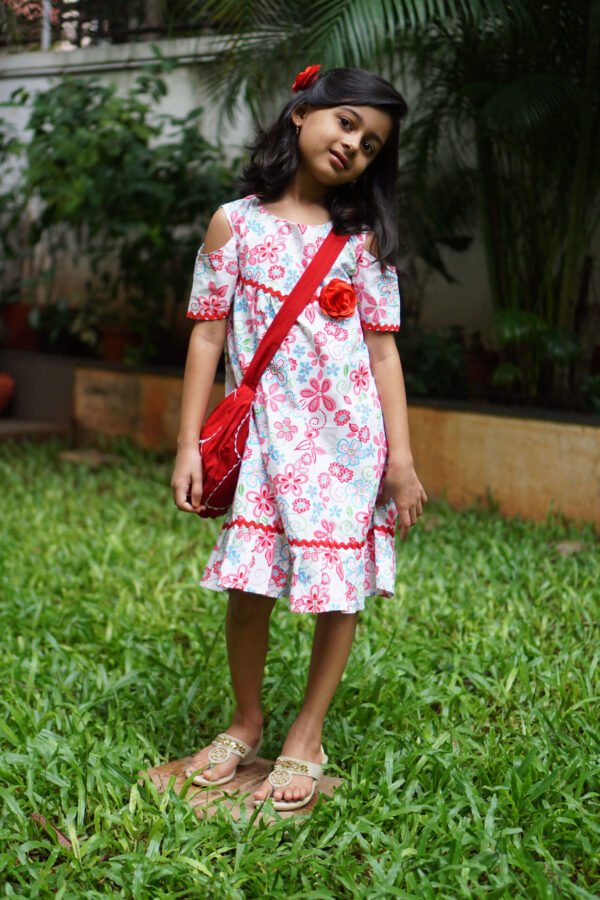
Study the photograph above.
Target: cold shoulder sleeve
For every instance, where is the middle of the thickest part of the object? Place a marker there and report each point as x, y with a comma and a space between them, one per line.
377, 292
213, 287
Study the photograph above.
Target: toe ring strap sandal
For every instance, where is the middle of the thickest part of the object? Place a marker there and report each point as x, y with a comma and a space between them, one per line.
223, 748
284, 770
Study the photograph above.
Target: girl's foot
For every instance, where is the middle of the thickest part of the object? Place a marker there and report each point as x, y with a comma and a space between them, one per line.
300, 744
249, 733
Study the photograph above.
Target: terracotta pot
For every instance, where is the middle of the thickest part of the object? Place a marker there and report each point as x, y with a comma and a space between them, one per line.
7, 389
479, 365
114, 341
18, 333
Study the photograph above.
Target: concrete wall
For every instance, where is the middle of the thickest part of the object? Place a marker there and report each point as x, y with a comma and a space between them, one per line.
121, 64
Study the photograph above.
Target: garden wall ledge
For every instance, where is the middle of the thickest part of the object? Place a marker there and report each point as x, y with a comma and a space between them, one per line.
52, 63
530, 466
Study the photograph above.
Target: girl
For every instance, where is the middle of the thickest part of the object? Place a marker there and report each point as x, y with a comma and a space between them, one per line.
313, 518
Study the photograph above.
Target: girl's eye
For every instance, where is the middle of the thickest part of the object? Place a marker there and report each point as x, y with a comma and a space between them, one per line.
367, 147
345, 123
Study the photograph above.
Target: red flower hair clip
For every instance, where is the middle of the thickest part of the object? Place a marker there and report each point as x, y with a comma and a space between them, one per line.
305, 78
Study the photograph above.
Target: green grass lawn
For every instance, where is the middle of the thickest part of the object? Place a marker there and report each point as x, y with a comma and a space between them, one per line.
466, 727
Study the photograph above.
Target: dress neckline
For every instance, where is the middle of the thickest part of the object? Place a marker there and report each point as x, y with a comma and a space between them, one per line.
262, 208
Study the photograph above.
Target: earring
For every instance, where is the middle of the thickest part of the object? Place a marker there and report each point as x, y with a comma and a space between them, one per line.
297, 130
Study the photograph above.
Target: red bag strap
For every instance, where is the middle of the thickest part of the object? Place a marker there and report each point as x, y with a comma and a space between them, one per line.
291, 308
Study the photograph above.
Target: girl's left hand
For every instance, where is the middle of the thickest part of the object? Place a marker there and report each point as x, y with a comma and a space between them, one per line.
403, 487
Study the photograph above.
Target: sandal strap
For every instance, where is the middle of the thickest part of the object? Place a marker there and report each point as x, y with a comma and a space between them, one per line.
224, 745
293, 766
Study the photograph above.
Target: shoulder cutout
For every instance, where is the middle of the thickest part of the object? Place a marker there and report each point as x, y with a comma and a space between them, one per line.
371, 244
218, 232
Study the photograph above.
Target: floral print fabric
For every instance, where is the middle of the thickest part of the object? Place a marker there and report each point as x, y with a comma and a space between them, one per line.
304, 522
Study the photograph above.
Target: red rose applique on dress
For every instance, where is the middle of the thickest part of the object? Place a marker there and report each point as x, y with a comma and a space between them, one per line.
338, 299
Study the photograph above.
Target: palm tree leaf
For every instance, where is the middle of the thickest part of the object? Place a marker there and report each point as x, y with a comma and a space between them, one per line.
530, 101
358, 32
270, 39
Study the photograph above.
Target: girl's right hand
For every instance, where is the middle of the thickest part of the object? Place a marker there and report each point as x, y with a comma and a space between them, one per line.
186, 481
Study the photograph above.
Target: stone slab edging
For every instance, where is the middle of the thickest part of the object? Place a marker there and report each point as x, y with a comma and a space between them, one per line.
529, 466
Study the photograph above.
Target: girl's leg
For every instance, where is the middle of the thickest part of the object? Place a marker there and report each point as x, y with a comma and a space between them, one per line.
247, 631
334, 633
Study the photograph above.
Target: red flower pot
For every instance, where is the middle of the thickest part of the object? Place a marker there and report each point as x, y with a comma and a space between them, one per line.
18, 333
7, 389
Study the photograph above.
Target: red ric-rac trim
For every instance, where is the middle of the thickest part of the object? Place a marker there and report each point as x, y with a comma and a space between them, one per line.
245, 523
263, 287
205, 318
385, 529
369, 327
352, 544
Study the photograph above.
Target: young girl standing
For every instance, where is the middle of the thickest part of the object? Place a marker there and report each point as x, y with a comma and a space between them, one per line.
327, 473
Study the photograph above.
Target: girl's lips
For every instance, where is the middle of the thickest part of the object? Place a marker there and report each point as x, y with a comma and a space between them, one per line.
337, 160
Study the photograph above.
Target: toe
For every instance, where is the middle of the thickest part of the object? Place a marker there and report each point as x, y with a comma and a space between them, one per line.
263, 792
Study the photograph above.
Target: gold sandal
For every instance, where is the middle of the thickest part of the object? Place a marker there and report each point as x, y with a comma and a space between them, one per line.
284, 770
223, 748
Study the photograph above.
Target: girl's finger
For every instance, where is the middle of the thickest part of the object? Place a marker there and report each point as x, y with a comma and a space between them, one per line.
196, 493
404, 522
181, 497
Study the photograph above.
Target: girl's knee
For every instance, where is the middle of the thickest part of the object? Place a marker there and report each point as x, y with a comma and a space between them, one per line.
245, 606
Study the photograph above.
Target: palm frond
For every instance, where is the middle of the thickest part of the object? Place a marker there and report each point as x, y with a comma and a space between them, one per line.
267, 41
530, 101
364, 32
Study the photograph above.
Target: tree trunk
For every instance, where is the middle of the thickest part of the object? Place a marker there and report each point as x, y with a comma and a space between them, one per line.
153, 18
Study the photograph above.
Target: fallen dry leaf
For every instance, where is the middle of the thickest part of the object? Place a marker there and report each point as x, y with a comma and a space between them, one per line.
63, 840
91, 457
568, 548
429, 522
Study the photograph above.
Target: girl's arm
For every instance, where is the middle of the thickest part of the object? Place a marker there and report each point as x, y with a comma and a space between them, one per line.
205, 348
401, 482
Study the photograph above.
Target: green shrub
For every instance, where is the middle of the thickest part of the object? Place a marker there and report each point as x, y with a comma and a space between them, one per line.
133, 189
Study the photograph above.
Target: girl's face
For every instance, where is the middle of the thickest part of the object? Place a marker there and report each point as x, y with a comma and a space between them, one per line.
338, 143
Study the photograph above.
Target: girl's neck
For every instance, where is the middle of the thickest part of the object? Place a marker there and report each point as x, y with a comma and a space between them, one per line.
303, 200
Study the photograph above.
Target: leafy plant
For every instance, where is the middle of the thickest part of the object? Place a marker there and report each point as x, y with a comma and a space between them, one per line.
531, 345
129, 189
591, 391
11, 209
432, 361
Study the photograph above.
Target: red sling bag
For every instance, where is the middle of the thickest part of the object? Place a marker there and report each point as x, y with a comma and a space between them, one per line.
225, 432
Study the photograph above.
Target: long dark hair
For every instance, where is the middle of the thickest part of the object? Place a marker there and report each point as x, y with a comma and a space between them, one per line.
368, 205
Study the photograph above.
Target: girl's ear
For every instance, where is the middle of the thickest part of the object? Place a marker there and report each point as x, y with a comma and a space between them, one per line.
299, 113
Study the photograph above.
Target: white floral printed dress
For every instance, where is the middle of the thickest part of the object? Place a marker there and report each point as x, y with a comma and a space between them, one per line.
304, 523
